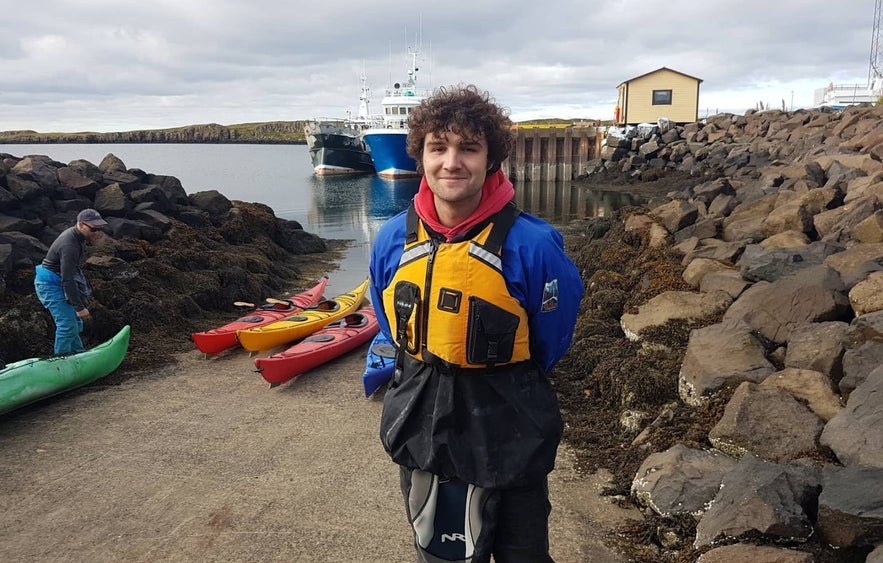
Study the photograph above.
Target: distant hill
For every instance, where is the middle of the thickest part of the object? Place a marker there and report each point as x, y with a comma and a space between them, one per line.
270, 132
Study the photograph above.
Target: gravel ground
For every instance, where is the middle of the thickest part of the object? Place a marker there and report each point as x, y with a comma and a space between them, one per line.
200, 461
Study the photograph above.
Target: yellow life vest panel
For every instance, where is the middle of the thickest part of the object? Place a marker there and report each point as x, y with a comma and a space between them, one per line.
425, 306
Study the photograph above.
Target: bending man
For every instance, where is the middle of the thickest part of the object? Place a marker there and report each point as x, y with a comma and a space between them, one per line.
60, 283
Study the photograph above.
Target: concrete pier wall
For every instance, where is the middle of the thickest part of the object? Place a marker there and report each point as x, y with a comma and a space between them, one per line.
551, 153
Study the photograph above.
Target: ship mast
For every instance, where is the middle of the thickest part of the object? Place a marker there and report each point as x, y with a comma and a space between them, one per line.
415, 53
364, 96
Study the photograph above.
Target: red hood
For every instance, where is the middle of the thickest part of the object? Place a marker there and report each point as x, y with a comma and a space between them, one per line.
496, 192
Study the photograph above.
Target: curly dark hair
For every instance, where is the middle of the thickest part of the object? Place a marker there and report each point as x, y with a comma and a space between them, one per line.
465, 111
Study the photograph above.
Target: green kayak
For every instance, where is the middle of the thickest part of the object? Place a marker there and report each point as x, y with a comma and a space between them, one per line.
26, 381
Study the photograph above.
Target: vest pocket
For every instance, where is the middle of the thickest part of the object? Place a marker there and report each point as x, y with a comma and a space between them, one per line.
490, 333
407, 315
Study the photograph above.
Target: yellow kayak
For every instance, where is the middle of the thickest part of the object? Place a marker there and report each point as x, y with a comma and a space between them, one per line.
303, 323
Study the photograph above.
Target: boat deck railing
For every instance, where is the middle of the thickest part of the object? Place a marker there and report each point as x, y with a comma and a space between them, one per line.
851, 87
356, 122
408, 92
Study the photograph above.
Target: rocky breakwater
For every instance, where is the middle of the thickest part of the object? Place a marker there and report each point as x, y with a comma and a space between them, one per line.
170, 261
780, 236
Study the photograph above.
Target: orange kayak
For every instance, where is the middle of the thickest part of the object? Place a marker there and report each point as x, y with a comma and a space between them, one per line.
219, 339
327, 343
302, 324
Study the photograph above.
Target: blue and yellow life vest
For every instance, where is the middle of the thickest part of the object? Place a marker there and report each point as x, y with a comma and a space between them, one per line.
448, 303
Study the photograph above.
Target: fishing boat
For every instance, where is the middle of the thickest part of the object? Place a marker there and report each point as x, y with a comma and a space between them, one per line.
302, 324
379, 363
336, 146
222, 338
331, 341
387, 142
337, 149
27, 381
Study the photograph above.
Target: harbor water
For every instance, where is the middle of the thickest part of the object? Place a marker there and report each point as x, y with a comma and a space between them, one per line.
281, 176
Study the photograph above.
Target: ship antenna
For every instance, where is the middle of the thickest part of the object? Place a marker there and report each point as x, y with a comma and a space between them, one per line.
389, 78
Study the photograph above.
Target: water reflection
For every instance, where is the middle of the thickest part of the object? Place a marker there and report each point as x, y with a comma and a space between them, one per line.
388, 197
563, 201
355, 207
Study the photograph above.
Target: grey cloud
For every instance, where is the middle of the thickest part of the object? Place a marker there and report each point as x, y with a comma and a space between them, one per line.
77, 66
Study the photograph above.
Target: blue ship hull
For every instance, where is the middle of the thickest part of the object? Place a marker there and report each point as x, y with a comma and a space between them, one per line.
387, 148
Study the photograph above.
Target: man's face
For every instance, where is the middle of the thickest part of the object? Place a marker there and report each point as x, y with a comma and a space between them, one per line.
91, 232
455, 167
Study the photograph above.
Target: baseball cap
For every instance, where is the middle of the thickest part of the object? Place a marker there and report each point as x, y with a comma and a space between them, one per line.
91, 217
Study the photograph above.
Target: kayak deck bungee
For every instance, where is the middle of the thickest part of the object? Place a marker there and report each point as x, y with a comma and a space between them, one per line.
327, 343
27, 381
379, 363
222, 338
302, 324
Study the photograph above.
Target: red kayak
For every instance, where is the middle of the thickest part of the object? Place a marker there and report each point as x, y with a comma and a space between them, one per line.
222, 338
327, 343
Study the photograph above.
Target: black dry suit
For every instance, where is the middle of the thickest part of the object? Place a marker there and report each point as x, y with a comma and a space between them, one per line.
467, 402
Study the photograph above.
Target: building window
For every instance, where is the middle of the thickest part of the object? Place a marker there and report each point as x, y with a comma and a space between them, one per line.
661, 97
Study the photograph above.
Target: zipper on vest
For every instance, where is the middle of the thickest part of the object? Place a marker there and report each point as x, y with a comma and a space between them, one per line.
430, 262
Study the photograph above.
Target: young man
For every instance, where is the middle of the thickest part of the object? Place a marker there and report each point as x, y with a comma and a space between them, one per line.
61, 285
481, 301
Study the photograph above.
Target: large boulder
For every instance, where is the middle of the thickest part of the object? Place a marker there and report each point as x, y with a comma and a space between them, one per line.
851, 507
767, 422
748, 553
759, 498
855, 434
809, 387
673, 305
819, 347
722, 354
680, 480
775, 309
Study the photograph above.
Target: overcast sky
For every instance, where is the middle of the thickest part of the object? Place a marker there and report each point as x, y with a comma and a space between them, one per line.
118, 65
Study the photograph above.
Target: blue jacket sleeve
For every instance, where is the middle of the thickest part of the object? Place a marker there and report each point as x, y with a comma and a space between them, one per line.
385, 255
541, 275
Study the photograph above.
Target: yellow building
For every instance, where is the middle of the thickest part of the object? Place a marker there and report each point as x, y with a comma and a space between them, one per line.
661, 93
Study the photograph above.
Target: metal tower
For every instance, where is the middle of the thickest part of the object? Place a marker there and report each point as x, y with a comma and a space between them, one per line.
876, 58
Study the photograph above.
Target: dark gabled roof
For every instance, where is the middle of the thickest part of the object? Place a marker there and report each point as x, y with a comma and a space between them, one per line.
657, 70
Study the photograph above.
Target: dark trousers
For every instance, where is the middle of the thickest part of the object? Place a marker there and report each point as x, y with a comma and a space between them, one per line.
514, 527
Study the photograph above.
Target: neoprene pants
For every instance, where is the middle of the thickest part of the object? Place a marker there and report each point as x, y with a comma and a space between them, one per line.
515, 524
67, 325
